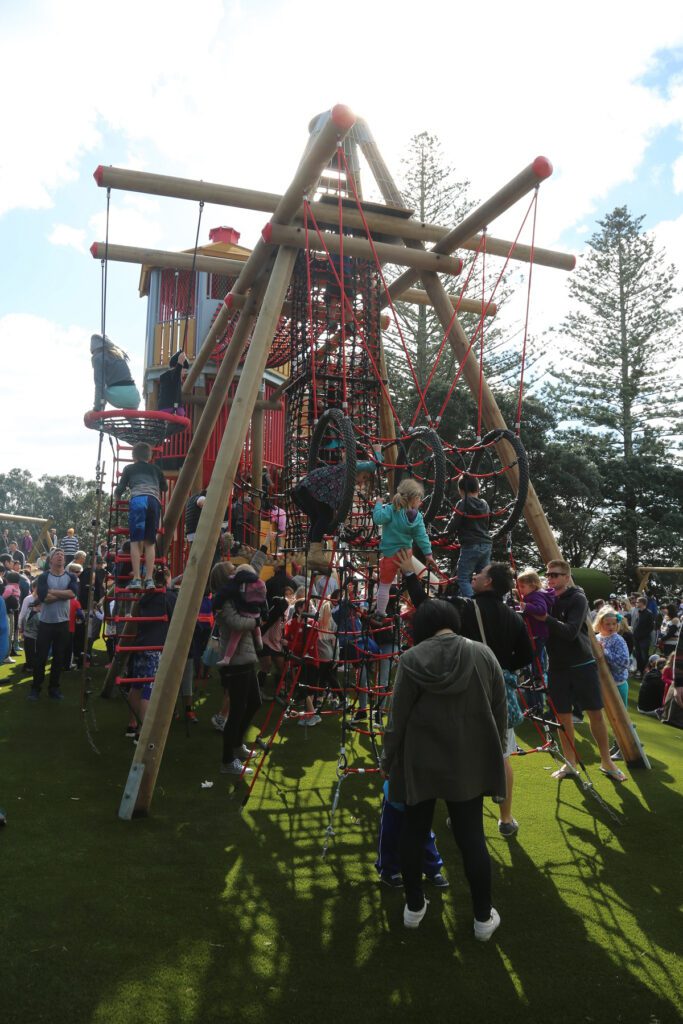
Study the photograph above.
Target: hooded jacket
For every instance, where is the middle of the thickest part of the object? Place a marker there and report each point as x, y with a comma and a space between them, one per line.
447, 725
110, 367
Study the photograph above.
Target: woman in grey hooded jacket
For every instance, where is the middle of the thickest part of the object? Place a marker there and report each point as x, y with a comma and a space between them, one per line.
445, 740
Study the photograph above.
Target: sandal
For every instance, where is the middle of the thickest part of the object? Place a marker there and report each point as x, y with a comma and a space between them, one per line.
564, 772
613, 773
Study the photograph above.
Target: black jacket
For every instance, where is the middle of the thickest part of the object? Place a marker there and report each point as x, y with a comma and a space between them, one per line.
569, 644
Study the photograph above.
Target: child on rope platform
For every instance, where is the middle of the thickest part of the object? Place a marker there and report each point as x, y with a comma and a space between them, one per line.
471, 519
402, 525
319, 494
147, 483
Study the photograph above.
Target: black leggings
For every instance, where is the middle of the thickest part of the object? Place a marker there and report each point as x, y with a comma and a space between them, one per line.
245, 700
319, 514
467, 826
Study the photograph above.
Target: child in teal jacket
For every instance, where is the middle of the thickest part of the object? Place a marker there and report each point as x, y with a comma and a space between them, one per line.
402, 525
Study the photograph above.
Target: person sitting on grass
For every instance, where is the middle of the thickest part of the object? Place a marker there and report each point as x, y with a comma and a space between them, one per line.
146, 483
651, 690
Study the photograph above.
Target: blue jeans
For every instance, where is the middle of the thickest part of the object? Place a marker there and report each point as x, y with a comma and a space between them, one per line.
473, 558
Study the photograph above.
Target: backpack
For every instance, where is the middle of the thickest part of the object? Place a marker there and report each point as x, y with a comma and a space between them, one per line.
252, 593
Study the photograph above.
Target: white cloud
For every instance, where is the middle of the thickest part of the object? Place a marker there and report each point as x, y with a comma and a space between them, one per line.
54, 388
64, 235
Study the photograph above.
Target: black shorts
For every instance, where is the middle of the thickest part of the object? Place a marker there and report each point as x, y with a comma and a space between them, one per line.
579, 685
270, 652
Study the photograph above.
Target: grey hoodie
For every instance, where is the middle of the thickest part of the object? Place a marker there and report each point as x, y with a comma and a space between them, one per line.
448, 722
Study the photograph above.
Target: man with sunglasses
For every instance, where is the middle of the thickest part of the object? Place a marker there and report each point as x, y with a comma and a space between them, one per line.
573, 671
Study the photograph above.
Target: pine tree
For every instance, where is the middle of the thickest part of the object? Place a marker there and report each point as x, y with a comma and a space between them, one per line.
618, 372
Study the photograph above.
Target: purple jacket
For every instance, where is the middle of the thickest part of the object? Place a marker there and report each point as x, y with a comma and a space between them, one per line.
539, 602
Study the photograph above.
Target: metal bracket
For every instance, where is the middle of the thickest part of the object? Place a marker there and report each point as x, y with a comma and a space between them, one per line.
130, 792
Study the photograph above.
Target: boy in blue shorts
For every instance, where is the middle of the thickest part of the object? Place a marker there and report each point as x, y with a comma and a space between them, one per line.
147, 483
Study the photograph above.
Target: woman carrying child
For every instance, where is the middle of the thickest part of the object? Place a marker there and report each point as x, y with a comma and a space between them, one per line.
239, 677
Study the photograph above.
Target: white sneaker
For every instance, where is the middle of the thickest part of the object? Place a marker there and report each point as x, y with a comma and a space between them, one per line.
483, 930
218, 722
244, 752
235, 768
412, 918
312, 720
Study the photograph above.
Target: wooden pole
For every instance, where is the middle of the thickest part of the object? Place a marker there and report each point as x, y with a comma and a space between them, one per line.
257, 468
539, 526
419, 297
260, 403
274, 234
478, 220
166, 259
533, 513
324, 213
149, 751
315, 159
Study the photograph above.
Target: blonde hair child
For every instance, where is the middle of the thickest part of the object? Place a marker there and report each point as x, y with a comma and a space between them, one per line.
402, 525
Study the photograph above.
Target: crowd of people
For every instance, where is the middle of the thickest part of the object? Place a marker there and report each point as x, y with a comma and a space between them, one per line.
466, 663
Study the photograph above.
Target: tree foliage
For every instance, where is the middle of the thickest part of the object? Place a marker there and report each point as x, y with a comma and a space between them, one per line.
68, 500
618, 386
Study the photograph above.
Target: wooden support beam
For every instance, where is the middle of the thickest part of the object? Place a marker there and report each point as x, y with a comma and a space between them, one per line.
478, 220
167, 260
154, 732
324, 213
316, 157
257, 466
420, 298
627, 738
533, 513
274, 234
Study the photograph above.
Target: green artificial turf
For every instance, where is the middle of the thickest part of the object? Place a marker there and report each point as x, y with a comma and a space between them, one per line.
203, 913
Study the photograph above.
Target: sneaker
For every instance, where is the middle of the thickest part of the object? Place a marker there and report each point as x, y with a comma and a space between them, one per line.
56, 695
393, 881
377, 719
576, 720
150, 585
310, 720
190, 716
235, 767
508, 829
412, 918
131, 732
244, 752
617, 755
9, 661
483, 930
439, 881
33, 694
360, 716
135, 584
218, 722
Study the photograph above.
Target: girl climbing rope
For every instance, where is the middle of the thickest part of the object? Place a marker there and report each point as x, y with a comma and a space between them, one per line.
402, 525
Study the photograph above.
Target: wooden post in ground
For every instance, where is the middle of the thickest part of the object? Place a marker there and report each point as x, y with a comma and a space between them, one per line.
146, 762
529, 178
257, 417
534, 515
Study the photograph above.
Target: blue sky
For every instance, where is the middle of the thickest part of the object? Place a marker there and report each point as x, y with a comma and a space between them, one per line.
224, 91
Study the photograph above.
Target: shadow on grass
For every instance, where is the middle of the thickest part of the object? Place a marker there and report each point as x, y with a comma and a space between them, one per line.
201, 913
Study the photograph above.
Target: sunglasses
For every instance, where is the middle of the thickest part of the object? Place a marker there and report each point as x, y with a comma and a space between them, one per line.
553, 575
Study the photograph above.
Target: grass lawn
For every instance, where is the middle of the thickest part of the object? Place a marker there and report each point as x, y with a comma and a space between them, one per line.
203, 913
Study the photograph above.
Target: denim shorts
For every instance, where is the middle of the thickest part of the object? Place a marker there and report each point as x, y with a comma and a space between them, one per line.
143, 517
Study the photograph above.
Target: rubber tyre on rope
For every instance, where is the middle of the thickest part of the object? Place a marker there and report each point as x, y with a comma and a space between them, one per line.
345, 433
522, 463
425, 436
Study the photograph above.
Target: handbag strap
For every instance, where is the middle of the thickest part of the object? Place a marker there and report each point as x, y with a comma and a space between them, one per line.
480, 623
